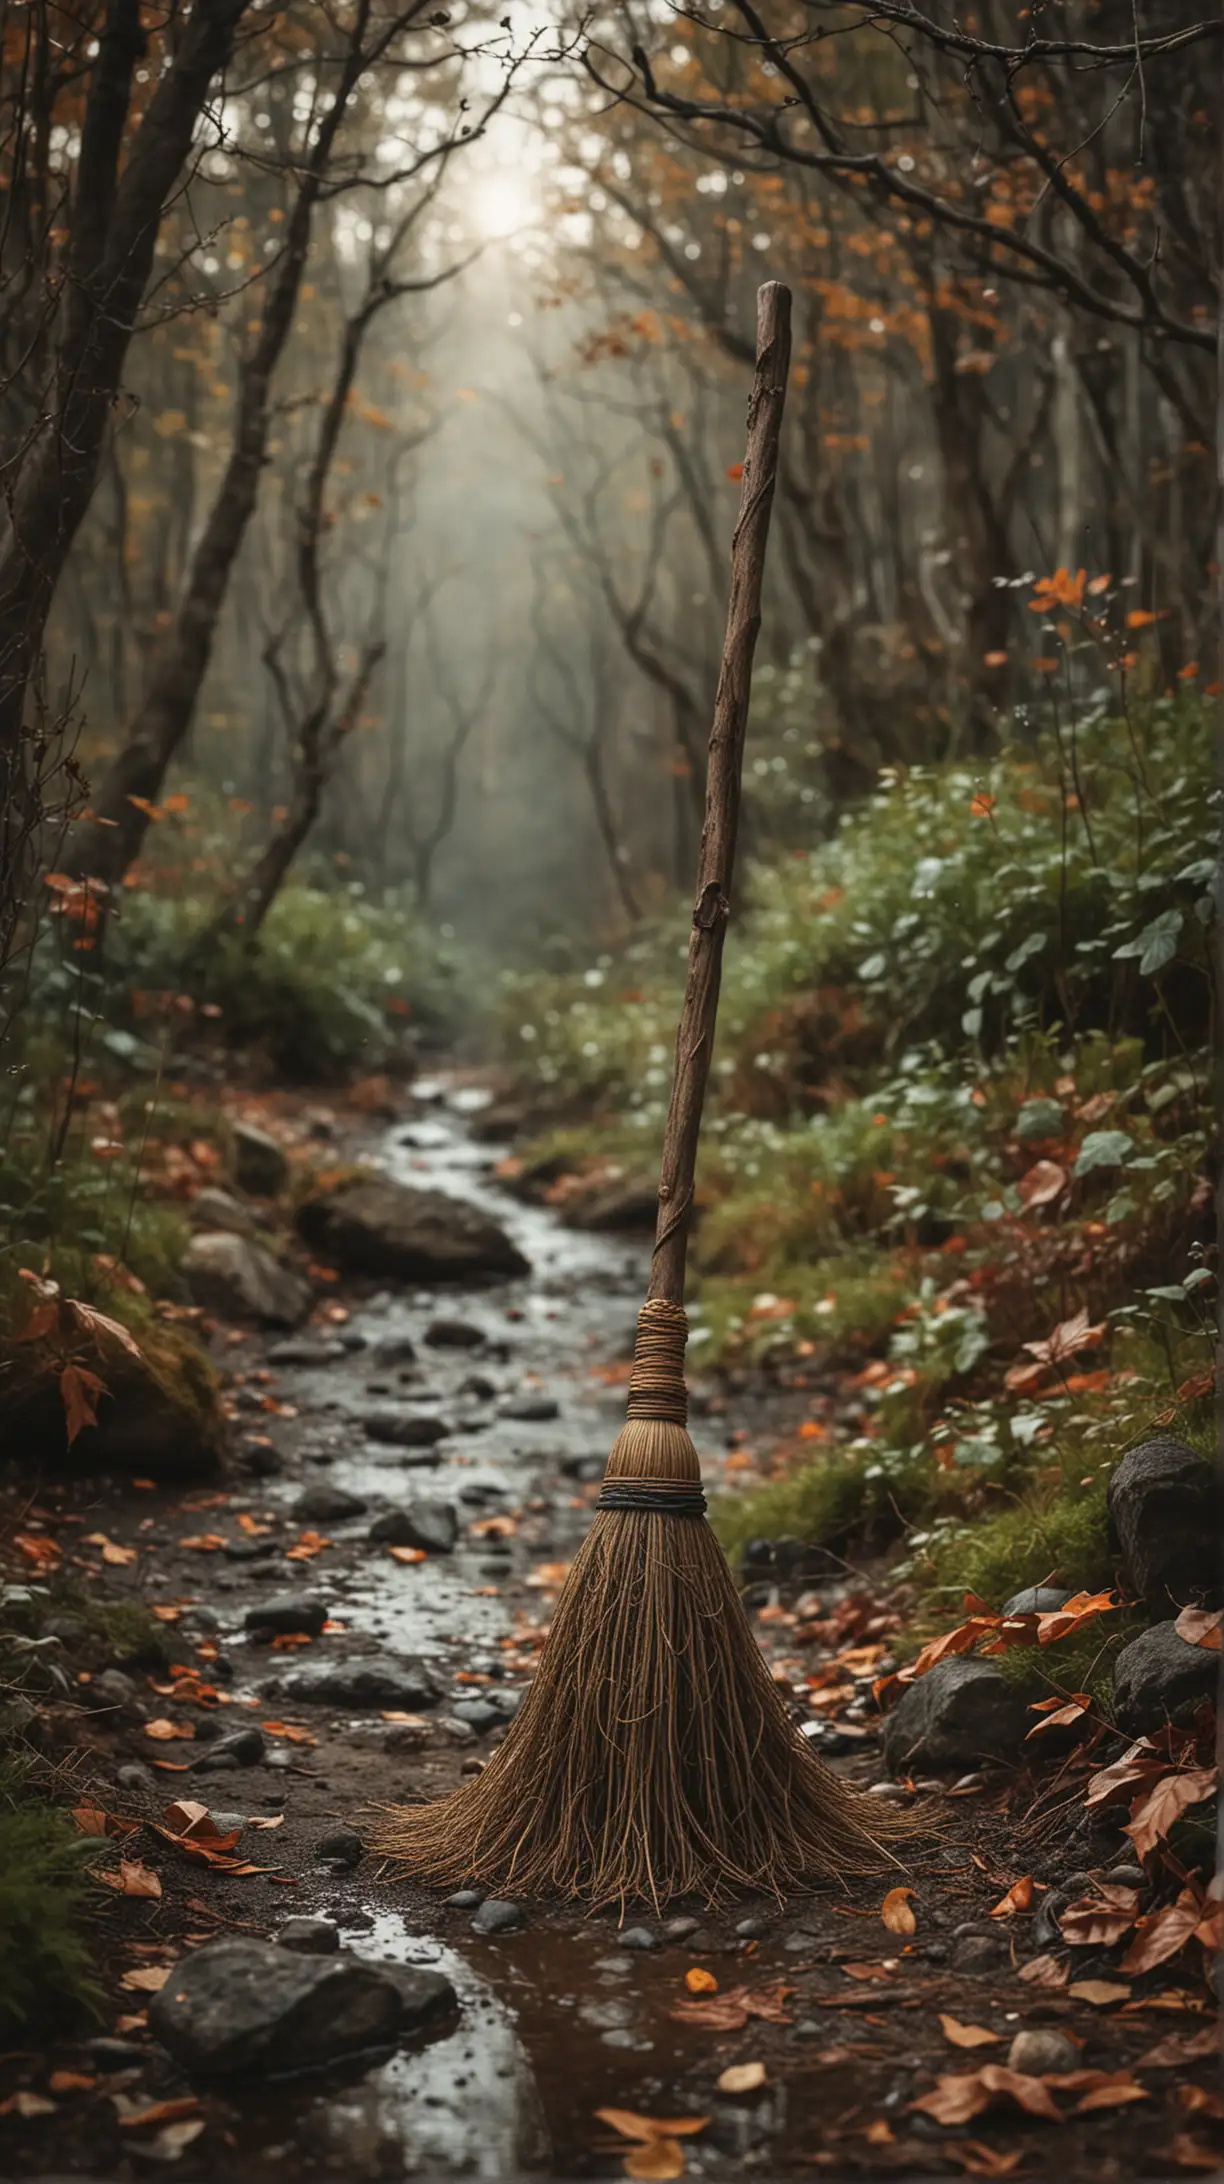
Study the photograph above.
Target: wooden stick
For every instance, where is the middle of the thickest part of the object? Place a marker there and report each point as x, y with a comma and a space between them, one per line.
716, 859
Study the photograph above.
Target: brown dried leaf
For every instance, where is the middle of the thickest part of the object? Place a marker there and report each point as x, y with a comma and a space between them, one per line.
967, 2036
1155, 1811
1179, 2048
629, 2124
1100, 1992
1100, 1918
133, 1879
958, 2097
1201, 1627
896, 1912
1045, 1971
742, 2078
1043, 1184
146, 1978
1018, 1898
1162, 1933
163, 1732
655, 2158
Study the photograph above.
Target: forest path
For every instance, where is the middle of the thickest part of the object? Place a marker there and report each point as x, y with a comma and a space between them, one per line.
847, 2019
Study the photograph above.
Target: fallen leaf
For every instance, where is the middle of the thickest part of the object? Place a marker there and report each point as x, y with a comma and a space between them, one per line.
205, 1543
1179, 2048
1189, 2154
117, 1556
880, 2133
1200, 1627
133, 1879
91, 1820
164, 1731
961, 2096
27, 2104
1197, 2100
967, 2036
1162, 1933
656, 2158
407, 1554
1018, 1898
978, 2159
699, 1981
267, 1820
148, 2119
176, 2138
730, 2012
146, 1978
1057, 1716
1101, 1917
1045, 1971
1156, 1810
896, 1913
290, 1731
1117, 2095
630, 2125
742, 2078
1100, 1992
71, 2081
1043, 1184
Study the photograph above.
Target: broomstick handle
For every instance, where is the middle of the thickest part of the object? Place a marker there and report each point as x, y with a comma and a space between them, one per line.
716, 858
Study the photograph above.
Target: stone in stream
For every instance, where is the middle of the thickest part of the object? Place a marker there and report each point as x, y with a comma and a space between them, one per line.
241, 1280
530, 1409
479, 1387
216, 1209
374, 1226
679, 1929
260, 1162
1159, 1678
958, 1714
497, 1916
306, 1350
465, 1899
638, 1937
324, 1504
242, 2008
287, 1614
402, 1429
431, 1525
454, 1334
313, 1937
395, 1350
1165, 1511
365, 1680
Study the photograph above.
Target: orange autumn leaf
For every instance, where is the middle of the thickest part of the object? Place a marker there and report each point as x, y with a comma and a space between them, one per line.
699, 1981
1018, 1898
80, 1391
629, 2124
896, 1912
407, 1554
967, 2036
133, 1879
163, 1731
146, 1978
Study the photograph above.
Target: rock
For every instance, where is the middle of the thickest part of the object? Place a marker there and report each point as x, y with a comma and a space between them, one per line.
432, 1525
132, 1776
402, 1429
465, 1899
477, 1713
262, 1461
531, 1409
109, 2054
305, 1350
479, 1387
374, 1226
679, 1929
324, 1504
314, 1937
629, 1204
160, 1418
454, 1334
1165, 1512
242, 1281
244, 1748
960, 1712
260, 1163
395, 1350
216, 1209
1034, 2053
979, 1953
343, 1845
638, 1937
243, 2007
752, 1929
1036, 1600
366, 1680
1126, 1876
1159, 1678
288, 1613
456, 1731
496, 1916
112, 1690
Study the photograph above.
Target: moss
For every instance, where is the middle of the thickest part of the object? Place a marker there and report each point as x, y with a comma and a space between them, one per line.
1062, 1536
46, 1964
161, 1416
838, 1499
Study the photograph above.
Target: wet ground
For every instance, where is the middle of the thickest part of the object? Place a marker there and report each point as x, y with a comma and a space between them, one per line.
557, 2019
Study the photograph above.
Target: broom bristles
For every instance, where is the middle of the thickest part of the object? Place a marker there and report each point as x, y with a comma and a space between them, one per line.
653, 1756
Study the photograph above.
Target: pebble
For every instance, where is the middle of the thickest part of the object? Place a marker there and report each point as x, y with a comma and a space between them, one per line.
806, 2029
638, 1937
132, 1776
343, 1845
497, 1916
322, 1504
531, 1409
288, 1614
453, 1334
752, 1929
1036, 2053
465, 1899
679, 1929
472, 1767
313, 1937
978, 1953
1126, 1876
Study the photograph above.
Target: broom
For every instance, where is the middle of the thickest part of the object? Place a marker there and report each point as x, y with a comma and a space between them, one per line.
653, 1756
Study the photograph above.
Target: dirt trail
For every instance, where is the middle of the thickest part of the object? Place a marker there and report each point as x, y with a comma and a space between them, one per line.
558, 2018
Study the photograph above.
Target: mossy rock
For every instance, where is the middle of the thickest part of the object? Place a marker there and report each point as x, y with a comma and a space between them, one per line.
160, 1418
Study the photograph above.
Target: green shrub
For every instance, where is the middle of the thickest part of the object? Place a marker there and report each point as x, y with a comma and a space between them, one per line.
46, 1963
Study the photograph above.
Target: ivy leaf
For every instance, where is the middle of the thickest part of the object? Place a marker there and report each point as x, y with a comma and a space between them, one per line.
1104, 1149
